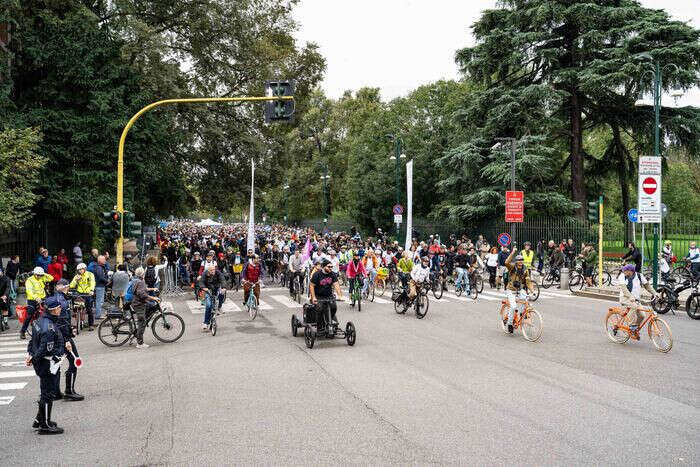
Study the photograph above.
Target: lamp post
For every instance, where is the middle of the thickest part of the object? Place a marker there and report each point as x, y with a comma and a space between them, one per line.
655, 70
512, 170
325, 177
286, 212
398, 155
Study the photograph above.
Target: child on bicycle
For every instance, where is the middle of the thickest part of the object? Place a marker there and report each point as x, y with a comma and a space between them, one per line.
631, 283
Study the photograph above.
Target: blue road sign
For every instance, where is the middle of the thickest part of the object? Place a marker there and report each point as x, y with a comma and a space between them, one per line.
632, 215
504, 239
397, 209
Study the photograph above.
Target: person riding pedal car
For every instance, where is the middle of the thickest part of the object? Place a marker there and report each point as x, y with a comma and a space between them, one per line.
322, 285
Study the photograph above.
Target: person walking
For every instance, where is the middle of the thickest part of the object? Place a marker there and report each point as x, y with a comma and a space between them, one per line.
98, 270
142, 300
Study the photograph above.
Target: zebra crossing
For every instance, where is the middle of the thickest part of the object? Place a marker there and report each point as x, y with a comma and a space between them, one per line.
14, 375
275, 298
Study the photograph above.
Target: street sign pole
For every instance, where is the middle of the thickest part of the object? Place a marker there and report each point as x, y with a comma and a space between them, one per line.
600, 242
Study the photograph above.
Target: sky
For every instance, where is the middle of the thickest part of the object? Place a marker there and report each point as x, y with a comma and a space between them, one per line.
398, 45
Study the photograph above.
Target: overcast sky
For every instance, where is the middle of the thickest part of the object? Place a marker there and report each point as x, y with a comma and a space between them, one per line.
397, 45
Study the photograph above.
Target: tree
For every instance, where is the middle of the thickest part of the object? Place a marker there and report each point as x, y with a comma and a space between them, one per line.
581, 59
20, 166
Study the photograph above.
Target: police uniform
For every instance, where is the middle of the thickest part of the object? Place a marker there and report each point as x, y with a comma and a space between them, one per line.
64, 325
46, 347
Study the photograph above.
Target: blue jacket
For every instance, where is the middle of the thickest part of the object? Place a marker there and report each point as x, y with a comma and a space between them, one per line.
100, 273
43, 262
64, 319
47, 340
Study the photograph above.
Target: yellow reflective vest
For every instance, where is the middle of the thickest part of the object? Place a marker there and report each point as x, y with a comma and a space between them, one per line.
84, 284
528, 258
35, 287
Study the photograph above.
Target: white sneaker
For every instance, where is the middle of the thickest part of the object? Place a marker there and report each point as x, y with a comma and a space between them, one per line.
142, 346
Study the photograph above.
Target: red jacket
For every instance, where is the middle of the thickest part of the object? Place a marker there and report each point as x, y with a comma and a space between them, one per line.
56, 271
251, 273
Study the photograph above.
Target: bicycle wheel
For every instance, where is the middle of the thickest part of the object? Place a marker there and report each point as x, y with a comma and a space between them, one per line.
114, 332
380, 287
422, 305
294, 325
309, 337
458, 289
533, 296
663, 304
607, 278
212, 324
359, 301
503, 315
548, 280
576, 282
75, 321
370, 292
437, 289
400, 306
252, 306
479, 283
692, 306
473, 292
613, 320
350, 334
660, 334
168, 327
532, 325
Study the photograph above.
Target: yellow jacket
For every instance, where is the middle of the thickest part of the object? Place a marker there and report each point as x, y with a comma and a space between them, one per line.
84, 284
405, 265
35, 287
527, 259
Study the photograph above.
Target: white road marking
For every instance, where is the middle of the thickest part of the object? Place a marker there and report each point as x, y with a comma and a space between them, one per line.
17, 363
196, 308
264, 306
5, 400
13, 349
382, 301
7, 344
12, 355
11, 386
286, 301
17, 374
6, 338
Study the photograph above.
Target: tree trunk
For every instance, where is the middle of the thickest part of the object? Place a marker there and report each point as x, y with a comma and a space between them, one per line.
578, 187
622, 177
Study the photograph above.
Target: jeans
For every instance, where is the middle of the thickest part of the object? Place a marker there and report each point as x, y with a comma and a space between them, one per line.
540, 263
99, 301
462, 279
209, 303
140, 312
512, 297
372, 274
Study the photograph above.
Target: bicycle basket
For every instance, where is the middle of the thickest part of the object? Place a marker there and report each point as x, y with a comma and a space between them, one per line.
382, 273
21, 313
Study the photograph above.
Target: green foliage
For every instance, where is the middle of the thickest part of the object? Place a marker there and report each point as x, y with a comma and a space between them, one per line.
20, 167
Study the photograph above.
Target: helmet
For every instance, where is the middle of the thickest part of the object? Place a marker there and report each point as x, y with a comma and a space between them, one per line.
39, 271
378, 251
81, 266
667, 242
519, 258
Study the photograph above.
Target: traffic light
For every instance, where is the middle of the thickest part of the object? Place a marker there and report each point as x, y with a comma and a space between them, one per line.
593, 211
131, 227
107, 226
282, 110
115, 224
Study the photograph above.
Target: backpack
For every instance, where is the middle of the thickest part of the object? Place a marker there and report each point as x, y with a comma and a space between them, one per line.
129, 294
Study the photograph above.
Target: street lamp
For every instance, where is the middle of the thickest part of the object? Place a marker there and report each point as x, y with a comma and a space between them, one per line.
325, 177
396, 157
512, 169
655, 70
286, 213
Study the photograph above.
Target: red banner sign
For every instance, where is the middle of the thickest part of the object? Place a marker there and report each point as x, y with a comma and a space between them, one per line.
514, 206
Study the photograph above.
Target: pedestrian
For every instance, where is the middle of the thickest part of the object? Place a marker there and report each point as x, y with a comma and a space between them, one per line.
35, 288
633, 255
120, 281
541, 247
63, 260
12, 271
64, 325
77, 254
56, 270
492, 265
43, 259
45, 351
98, 269
694, 257
5, 298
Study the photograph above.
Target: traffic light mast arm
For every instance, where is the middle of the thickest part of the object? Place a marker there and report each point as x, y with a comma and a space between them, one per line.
130, 123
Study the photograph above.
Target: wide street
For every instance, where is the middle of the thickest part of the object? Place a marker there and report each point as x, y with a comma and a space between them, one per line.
451, 388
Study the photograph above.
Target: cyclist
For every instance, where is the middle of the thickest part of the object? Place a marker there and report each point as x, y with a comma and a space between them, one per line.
462, 263
590, 257
404, 268
84, 284
322, 284
474, 264
518, 279
371, 262
195, 264
295, 270
141, 300
252, 275
631, 283
211, 284
419, 274
556, 260
355, 271
528, 255
694, 257
36, 292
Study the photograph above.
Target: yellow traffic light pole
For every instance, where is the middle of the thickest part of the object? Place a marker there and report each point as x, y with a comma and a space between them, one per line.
120, 163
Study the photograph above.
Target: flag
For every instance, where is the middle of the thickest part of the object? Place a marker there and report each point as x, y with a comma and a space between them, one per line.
306, 253
409, 204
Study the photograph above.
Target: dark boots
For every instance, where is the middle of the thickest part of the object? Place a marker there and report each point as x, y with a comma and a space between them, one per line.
70, 393
46, 426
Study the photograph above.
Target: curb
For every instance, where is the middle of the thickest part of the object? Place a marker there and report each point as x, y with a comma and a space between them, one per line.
614, 298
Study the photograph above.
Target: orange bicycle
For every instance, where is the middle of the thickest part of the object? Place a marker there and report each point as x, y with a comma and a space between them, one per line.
618, 329
529, 319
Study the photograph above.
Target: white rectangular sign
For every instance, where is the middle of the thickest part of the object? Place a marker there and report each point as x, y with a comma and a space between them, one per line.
398, 218
649, 190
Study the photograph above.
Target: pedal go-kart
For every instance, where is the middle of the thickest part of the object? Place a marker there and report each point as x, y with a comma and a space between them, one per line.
311, 329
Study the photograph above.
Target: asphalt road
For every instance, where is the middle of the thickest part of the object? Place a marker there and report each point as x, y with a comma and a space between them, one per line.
451, 388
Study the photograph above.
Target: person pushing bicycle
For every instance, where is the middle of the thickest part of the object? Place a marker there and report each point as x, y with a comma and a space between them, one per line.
631, 283
518, 280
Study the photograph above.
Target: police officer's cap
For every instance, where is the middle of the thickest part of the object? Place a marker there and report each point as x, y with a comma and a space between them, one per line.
51, 303
61, 282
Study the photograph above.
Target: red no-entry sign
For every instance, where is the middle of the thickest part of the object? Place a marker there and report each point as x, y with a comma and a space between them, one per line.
514, 206
649, 185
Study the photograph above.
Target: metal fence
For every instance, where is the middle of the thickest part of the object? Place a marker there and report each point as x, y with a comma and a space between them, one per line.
53, 234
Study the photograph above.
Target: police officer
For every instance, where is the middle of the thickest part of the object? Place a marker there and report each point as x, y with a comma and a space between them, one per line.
64, 325
45, 351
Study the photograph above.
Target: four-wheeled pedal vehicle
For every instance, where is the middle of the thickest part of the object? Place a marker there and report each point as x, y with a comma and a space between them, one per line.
313, 329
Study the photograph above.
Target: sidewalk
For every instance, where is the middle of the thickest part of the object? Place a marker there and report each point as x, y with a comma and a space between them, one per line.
613, 294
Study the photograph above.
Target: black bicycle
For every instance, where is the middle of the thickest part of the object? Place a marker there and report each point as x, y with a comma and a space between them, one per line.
669, 294
420, 302
119, 327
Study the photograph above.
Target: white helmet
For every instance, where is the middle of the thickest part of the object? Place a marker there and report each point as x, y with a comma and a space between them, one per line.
81, 266
39, 271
